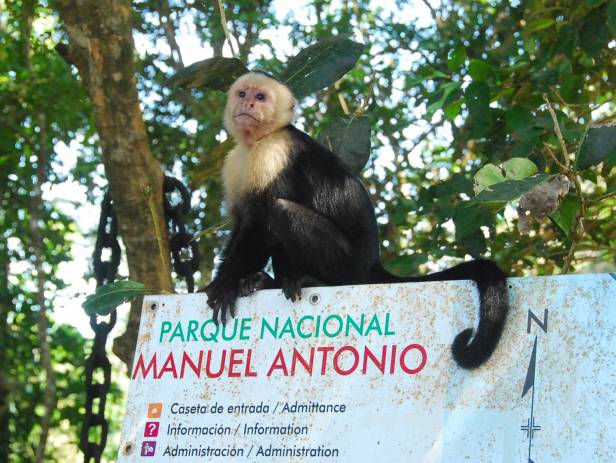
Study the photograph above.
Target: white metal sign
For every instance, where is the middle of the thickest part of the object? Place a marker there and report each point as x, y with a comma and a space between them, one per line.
365, 374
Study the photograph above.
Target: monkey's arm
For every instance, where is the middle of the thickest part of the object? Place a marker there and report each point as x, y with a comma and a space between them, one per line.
245, 253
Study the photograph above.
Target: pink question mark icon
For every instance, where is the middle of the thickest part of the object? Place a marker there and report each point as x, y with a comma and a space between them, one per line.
151, 429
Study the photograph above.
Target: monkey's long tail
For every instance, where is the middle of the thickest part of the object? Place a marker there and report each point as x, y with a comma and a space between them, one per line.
472, 350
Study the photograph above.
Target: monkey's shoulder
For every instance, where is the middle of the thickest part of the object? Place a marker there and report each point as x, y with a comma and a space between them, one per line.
312, 155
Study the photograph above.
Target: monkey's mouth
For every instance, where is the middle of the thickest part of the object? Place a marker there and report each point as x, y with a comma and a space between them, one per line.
238, 115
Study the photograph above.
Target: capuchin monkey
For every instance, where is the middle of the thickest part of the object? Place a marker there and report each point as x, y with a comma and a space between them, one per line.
294, 201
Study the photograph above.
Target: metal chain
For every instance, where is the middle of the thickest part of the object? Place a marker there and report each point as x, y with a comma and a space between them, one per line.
105, 271
181, 244
184, 248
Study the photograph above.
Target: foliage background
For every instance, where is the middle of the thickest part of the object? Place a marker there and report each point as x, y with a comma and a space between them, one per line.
446, 91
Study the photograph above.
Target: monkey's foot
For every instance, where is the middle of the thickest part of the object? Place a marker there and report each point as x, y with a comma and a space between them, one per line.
221, 296
255, 282
292, 286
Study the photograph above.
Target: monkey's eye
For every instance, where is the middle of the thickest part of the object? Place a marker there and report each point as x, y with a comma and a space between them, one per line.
261, 96
242, 94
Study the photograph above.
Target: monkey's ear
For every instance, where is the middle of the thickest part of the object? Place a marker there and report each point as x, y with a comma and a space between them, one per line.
293, 104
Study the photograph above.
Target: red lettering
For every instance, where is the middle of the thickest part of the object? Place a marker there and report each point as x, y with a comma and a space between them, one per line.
279, 364
144, 370
249, 372
379, 364
168, 367
422, 364
208, 365
337, 355
297, 357
195, 368
233, 361
324, 351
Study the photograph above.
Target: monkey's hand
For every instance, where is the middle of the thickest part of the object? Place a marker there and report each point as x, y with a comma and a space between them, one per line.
255, 282
221, 296
292, 286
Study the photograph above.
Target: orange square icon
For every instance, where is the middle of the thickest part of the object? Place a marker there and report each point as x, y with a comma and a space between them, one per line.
155, 410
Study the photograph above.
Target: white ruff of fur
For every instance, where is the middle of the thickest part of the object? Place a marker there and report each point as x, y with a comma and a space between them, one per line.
253, 168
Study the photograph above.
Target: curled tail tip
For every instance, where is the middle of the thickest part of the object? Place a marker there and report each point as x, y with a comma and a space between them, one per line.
473, 353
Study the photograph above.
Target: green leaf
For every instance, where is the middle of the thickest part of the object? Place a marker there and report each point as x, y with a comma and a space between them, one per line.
519, 168
108, 297
509, 190
453, 109
456, 58
599, 145
564, 217
594, 35
487, 176
425, 73
406, 265
469, 220
440, 97
321, 64
211, 164
217, 73
611, 16
479, 70
540, 24
518, 118
349, 138
477, 97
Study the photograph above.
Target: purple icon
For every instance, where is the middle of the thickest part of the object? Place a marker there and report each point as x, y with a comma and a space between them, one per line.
148, 448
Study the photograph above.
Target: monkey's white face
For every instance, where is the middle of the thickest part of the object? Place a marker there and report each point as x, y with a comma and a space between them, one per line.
256, 107
252, 106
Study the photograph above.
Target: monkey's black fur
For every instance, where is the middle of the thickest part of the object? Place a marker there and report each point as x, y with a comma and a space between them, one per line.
316, 222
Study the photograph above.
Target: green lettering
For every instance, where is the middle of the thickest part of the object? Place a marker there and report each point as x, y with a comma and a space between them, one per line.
299, 326
374, 325
177, 332
193, 325
165, 327
333, 334
287, 329
265, 325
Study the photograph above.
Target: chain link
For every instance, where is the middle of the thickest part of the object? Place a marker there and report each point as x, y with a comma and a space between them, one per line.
185, 258
105, 271
184, 248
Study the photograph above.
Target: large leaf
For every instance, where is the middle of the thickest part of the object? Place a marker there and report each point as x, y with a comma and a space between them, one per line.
519, 168
321, 64
487, 176
564, 217
479, 70
611, 16
477, 96
406, 264
441, 97
598, 145
212, 163
108, 297
349, 138
456, 58
217, 73
509, 190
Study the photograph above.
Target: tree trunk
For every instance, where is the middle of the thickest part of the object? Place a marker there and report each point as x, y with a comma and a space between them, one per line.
36, 208
5, 303
101, 46
41, 145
